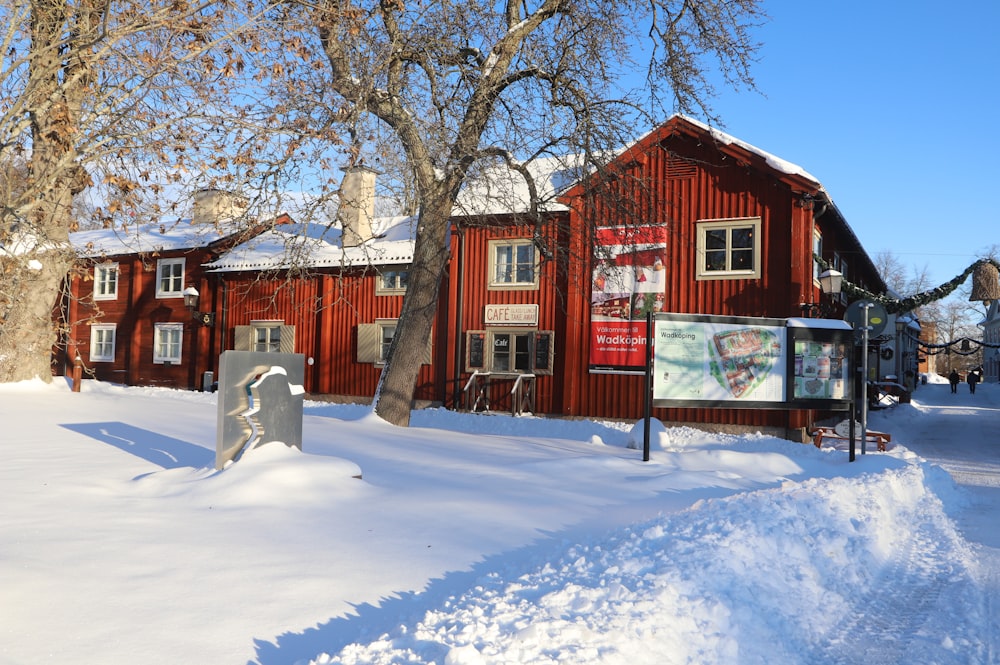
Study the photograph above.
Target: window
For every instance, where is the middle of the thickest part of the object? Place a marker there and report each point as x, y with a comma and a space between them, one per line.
817, 251
729, 248
167, 338
374, 340
840, 264
387, 332
512, 264
267, 339
513, 351
169, 278
265, 336
392, 281
106, 281
102, 343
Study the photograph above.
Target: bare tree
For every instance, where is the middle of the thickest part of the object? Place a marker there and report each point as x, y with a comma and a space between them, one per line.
450, 85
94, 92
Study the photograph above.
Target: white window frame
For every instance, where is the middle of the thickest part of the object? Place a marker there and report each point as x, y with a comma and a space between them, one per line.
373, 346
106, 281
489, 357
513, 334
245, 336
704, 226
273, 343
840, 265
383, 343
98, 330
398, 277
495, 282
159, 329
817, 251
178, 290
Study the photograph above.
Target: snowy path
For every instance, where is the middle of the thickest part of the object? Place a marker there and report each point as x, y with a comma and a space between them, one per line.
960, 438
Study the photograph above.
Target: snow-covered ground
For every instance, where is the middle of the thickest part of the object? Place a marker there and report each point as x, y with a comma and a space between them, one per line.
488, 539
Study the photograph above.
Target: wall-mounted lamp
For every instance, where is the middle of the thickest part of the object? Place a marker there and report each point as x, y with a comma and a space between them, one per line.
830, 282
191, 296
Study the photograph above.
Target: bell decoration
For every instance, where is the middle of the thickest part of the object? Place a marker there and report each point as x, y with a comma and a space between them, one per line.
985, 283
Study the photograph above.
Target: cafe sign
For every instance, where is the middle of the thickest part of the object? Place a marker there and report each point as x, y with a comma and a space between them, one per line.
511, 315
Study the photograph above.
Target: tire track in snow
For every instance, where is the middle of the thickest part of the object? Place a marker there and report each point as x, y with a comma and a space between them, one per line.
883, 624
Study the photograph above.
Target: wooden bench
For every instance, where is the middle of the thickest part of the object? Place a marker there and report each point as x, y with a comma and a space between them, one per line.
881, 439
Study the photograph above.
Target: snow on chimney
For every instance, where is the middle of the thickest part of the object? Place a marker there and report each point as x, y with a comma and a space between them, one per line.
357, 205
216, 205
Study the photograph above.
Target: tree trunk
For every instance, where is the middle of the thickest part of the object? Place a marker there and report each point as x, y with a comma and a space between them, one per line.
58, 82
394, 396
28, 334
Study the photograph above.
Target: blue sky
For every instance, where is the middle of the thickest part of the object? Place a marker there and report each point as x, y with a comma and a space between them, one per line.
893, 106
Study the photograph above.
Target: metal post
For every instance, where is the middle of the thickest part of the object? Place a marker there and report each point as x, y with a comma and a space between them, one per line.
864, 379
852, 430
647, 387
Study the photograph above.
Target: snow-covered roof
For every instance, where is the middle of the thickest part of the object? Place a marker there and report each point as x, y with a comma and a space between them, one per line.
496, 189
776, 163
146, 238
319, 246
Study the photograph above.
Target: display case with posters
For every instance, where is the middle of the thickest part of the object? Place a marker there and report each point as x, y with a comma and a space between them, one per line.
820, 374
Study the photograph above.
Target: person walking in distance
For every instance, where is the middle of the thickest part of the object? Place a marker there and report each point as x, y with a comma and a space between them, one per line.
953, 379
972, 379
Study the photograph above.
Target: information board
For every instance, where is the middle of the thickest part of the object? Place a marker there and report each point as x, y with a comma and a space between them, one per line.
719, 361
745, 362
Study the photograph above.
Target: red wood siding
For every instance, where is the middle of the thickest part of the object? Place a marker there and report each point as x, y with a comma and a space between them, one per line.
326, 310
678, 192
135, 311
675, 177
473, 243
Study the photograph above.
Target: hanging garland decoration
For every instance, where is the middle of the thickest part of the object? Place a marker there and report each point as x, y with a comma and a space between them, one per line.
904, 305
966, 348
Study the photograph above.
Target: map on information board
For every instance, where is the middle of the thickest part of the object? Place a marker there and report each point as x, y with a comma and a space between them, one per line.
719, 361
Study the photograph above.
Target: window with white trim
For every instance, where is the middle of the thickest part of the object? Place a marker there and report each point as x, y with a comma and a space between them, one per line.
106, 281
729, 249
392, 281
169, 278
168, 340
513, 264
817, 251
102, 342
840, 265
267, 339
514, 351
265, 336
374, 340
386, 332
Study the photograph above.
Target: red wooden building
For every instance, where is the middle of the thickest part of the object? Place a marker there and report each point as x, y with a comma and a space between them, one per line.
124, 316
696, 220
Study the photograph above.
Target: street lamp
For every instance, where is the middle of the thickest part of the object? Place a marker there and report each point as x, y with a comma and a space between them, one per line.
191, 296
830, 283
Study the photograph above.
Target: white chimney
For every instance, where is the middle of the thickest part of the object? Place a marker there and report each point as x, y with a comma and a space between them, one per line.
357, 205
216, 205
